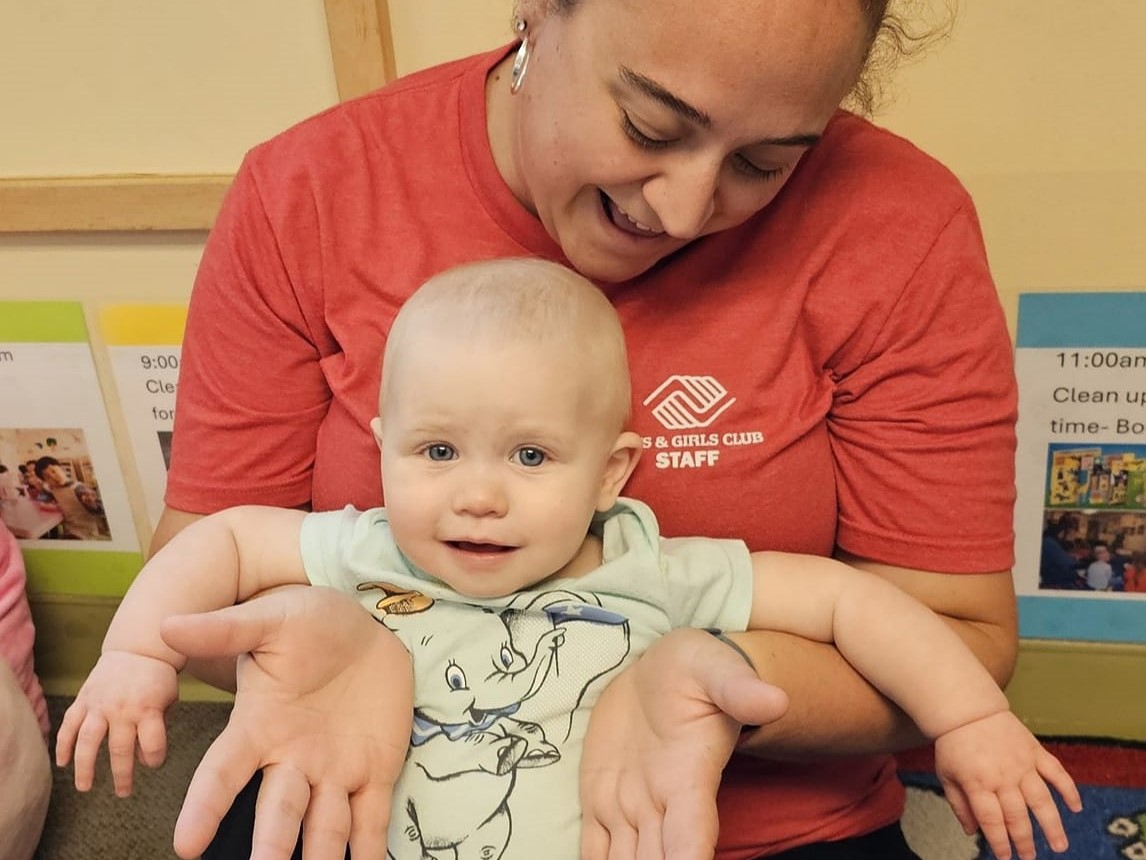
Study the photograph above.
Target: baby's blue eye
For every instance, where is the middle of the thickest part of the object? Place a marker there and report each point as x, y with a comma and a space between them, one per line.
440, 453
455, 677
530, 456
506, 656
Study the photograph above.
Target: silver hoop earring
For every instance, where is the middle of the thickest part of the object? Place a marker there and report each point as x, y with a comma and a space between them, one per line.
520, 59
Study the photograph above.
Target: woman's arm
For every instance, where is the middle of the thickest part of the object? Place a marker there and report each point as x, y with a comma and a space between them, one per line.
833, 710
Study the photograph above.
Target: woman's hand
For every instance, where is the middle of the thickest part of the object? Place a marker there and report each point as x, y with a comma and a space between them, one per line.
323, 706
658, 740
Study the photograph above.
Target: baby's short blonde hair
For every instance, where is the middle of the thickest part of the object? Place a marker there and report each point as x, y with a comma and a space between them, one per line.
524, 299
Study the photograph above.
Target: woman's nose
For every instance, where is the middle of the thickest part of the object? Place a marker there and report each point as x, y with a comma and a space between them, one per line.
683, 196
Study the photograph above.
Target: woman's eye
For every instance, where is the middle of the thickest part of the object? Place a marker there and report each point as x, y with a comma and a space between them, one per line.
530, 456
639, 137
440, 453
745, 167
506, 656
455, 677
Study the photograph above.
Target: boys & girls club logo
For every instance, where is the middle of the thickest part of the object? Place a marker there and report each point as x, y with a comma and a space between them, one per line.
692, 403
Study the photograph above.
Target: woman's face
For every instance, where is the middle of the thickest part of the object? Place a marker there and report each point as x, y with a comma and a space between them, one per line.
644, 124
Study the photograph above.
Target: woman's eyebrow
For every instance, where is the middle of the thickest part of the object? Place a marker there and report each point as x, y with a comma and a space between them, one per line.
655, 91
679, 106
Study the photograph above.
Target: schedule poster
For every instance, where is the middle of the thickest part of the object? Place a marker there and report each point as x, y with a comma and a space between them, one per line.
1080, 519
62, 491
143, 343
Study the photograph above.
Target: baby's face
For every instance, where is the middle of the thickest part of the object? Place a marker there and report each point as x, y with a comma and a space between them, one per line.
493, 463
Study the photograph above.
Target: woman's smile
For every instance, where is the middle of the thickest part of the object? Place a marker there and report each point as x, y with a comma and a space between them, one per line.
624, 221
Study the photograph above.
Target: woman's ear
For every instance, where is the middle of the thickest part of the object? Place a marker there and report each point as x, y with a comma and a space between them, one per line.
623, 457
376, 429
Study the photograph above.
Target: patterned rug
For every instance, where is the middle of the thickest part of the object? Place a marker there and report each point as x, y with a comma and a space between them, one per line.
1111, 777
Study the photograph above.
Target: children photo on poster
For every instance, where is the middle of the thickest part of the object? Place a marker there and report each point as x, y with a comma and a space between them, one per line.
49, 486
1094, 519
62, 486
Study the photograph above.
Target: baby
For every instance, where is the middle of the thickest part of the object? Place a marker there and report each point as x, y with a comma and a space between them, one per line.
521, 582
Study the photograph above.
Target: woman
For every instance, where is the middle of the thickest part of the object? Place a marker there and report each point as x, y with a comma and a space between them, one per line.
820, 361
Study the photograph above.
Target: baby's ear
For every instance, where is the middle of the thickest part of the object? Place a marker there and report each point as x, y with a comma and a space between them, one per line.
623, 457
376, 429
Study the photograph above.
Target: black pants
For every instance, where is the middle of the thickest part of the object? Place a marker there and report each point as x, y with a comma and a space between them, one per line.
887, 843
233, 841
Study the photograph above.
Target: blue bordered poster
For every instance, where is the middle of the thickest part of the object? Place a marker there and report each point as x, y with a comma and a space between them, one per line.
1080, 518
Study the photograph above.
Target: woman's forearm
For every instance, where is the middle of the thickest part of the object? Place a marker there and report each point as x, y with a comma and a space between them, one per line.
832, 710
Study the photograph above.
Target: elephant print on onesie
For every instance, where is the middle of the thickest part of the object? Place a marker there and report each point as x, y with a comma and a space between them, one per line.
498, 691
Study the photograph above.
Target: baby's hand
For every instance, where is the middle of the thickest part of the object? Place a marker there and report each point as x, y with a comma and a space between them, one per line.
124, 698
993, 770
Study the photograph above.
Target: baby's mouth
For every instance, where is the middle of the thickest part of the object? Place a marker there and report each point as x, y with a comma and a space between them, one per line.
476, 547
622, 221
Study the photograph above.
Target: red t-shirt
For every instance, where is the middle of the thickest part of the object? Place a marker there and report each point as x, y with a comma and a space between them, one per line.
834, 372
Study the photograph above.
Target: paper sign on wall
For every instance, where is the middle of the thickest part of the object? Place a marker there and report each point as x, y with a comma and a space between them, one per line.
1080, 520
143, 343
62, 491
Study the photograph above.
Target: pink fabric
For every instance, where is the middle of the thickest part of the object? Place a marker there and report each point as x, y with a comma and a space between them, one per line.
16, 631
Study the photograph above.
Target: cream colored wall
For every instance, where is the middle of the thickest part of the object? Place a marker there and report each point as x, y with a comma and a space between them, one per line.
136, 86
1037, 106
434, 31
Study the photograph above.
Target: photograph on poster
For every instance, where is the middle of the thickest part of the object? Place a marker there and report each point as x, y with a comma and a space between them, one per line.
165, 446
49, 489
1094, 519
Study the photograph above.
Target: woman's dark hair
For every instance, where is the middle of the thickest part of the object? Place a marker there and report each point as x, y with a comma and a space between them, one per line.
897, 30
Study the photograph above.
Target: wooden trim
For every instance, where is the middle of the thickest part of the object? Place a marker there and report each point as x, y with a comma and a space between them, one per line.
127, 202
362, 49
361, 45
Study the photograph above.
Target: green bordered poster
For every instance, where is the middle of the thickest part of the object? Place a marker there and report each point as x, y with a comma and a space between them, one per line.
143, 344
62, 491
1080, 518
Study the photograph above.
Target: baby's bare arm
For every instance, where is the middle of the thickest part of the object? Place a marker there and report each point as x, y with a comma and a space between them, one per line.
899, 645
215, 562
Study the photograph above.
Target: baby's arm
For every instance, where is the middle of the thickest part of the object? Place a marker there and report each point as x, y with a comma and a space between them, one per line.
992, 768
216, 562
